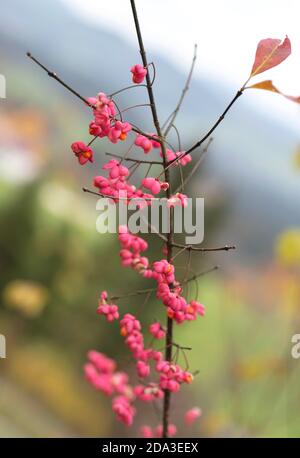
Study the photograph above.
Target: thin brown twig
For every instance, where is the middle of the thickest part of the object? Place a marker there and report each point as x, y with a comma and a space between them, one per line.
211, 130
195, 167
135, 106
184, 91
188, 267
54, 75
126, 89
201, 249
132, 159
154, 72
140, 292
59, 80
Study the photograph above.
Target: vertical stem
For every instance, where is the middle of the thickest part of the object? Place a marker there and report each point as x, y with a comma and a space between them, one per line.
169, 334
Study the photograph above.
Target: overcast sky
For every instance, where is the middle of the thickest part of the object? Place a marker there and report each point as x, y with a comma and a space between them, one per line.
226, 31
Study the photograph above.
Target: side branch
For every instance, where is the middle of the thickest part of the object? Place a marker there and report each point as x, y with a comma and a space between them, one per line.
174, 114
140, 292
132, 159
59, 80
54, 75
199, 143
196, 248
206, 136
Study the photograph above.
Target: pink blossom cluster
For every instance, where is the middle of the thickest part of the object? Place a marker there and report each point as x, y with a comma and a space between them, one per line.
138, 73
117, 186
104, 123
100, 371
169, 291
110, 311
155, 375
157, 330
190, 417
192, 414
130, 328
146, 143
123, 409
171, 156
178, 199
172, 376
83, 152
132, 247
148, 432
168, 288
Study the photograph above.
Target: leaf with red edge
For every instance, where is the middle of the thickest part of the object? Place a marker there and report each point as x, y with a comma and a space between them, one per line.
269, 53
269, 86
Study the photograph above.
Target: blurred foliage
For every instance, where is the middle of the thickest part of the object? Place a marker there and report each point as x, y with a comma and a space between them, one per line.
297, 158
25, 296
53, 267
288, 247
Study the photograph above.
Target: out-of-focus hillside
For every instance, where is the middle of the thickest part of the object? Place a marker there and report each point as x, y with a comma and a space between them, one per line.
251, 157
53, 263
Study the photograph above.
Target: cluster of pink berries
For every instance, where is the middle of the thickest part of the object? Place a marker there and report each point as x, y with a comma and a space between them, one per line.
83, 152
172, 376
138, 73
146, 143
104, 123
155, 374
100, 372
110, 311
132, 247
190, 417
168, 288
117, 186
149, 433
171, 156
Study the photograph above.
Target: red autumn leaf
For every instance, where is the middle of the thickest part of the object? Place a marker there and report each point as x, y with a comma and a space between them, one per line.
269, 53
269, 86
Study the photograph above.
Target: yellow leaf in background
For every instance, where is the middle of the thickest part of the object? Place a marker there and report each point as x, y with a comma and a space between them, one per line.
214, 423
257, 367
288, 247
297, 159
268, 85
27, 297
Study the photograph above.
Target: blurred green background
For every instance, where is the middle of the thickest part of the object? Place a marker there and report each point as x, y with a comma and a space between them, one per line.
53, 263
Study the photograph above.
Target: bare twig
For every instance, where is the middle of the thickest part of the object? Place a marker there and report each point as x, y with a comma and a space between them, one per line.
208, 134
59, 80
100, 194
201, 249
184, 91
126, 89
83, 99
195, 167
132, 159
141, 292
